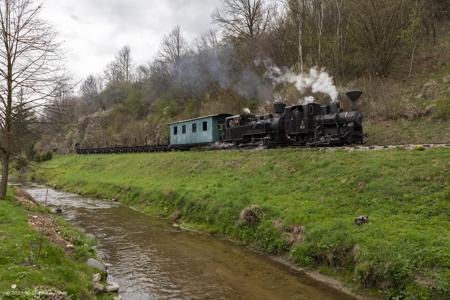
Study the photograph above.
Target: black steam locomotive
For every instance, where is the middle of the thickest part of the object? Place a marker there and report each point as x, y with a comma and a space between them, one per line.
298, 125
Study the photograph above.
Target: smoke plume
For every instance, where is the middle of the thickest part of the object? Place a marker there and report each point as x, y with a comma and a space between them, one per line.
316, 80
218, 66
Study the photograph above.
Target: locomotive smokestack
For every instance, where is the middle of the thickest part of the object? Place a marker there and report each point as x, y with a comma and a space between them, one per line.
354, 95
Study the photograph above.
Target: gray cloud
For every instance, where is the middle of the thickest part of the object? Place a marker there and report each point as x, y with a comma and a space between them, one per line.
94, 30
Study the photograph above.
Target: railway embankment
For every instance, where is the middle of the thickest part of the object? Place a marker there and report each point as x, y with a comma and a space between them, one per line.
300, 204
41, 255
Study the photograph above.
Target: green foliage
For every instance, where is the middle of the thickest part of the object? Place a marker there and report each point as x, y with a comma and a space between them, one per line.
405, 194
269, 238
20, 163
28, 260
442, 110
46, 156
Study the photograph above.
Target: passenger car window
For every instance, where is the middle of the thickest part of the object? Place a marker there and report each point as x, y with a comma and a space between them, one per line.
175, 130
194, 128
183, 129
205, 126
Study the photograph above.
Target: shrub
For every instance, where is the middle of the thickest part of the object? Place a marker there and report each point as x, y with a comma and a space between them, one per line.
302, 255
442, 110
42, 157
391, 274
20, 163
269, 238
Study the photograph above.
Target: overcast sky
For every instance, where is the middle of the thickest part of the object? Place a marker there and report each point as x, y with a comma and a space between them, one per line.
93, 31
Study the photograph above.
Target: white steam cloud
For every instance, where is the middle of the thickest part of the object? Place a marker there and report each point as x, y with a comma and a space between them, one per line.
317, 80
308, 99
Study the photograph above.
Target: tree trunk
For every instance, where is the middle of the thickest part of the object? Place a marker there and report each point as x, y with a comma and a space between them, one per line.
5, 174
300, 37
411, 63
320, 29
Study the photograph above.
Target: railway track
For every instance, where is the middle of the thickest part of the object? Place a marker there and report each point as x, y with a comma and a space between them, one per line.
167, 148
398, 146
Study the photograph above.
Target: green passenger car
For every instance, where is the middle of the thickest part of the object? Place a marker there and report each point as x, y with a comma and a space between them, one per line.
195, 132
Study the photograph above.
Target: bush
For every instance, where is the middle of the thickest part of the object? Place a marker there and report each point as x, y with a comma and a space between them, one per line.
392, 274
303, 255
20, 163
269, 238
43, 157
443, 108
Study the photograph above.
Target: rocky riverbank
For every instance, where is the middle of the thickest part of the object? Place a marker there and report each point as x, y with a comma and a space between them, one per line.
41, 255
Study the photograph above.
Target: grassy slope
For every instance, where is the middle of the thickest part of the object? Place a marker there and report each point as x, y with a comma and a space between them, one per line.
28, 260
405, 193
429, 87
419, 131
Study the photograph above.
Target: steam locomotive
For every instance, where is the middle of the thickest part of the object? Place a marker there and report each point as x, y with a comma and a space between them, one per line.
311, 125
299, 125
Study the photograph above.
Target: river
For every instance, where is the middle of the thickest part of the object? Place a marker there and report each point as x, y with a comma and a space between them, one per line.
151, 259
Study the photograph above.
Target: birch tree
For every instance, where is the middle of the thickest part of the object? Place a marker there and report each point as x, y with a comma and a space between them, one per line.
120, 70
174, 47
29, 68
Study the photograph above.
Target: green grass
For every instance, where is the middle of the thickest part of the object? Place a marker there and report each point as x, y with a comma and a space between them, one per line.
404, 251
33, 264
419, 131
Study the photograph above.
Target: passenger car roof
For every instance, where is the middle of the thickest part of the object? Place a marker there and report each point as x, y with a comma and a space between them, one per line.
200, 118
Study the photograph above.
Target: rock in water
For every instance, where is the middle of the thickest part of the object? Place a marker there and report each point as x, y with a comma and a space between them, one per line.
175, 216
96, 277
57, 211
99, 288
112, 287
96, 264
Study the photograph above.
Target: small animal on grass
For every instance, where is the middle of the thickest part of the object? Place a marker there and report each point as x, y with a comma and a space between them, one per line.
361, 220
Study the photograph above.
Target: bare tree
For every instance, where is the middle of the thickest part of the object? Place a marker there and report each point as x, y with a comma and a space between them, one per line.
245, 19
143, 73
29, 68
174, 47
125, 63
207, 41
411, 33
89, 87
319, 6
376, 26
339, 53
297, 15
300, 17
121, 69
60, 110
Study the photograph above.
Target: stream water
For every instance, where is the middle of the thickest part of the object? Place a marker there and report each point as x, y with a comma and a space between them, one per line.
151, 259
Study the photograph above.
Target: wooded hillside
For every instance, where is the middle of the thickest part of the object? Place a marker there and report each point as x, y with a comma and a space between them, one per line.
397, 51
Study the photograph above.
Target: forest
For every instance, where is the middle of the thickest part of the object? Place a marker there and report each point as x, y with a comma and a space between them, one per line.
262, 51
